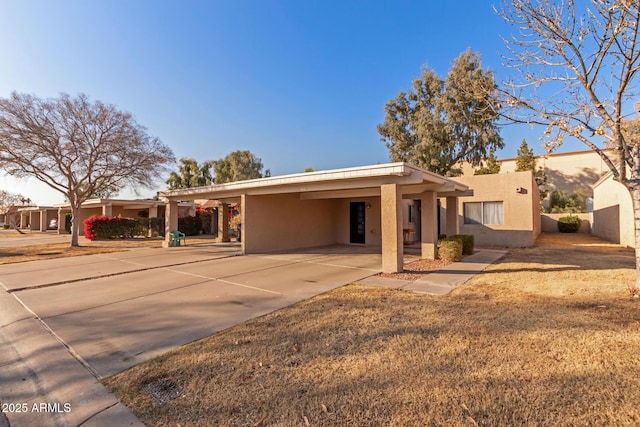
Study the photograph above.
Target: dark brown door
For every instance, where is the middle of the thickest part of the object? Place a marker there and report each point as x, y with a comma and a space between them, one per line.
357, 222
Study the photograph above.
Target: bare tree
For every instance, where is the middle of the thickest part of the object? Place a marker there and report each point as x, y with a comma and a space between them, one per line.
77, 147
575, 69
9, 205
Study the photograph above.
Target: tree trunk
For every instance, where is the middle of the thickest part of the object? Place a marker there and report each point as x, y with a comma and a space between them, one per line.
635, 196
74, 225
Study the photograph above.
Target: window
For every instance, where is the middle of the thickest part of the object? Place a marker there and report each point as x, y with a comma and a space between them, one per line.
488, 213
412, 213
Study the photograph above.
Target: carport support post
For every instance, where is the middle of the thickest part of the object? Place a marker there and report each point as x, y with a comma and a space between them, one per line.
32, 224
61, 221
43, 220
452, 216
243, 221
223, 222
392, 249
429, 224
170, 221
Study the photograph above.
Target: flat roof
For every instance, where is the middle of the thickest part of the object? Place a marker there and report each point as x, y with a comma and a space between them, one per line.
335, 183
128, 203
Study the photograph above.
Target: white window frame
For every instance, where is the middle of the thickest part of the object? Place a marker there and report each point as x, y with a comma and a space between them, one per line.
483, 220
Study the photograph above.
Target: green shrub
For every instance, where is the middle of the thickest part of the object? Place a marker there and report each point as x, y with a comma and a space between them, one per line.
190, 225
450, 249
6, 226
569, 224
206, 217
67, 223
149, 227
156, 226
468, 243
104, 227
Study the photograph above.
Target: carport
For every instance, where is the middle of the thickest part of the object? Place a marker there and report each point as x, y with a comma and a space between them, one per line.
353, 206
37, 218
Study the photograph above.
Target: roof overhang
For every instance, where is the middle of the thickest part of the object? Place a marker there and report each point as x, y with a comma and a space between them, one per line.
35, 208
330, 184
124, 203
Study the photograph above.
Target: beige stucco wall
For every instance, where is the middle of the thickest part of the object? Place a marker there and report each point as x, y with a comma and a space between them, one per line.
373, 236
521, 218
565, 171
613, 212
282, 222
550, 222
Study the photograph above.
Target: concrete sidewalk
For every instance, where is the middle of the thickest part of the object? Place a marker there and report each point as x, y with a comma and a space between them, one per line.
445, 280
43, 383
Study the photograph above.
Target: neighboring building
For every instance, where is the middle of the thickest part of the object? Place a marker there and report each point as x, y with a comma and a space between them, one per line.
564, 171
612, 216
613, 212
39, 218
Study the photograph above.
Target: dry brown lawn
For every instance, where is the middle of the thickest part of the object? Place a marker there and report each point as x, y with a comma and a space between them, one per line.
60, 250
548, 336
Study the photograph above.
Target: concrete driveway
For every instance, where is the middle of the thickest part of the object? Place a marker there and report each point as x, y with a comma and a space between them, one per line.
65, 323
119, 309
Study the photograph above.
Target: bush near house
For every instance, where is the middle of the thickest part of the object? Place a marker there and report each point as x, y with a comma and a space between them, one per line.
104, 227
450, 249
468, 243
67, 223
151, 227
190, 225
206, 217
569, 224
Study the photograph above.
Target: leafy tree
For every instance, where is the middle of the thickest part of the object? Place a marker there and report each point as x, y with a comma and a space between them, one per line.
492, 166
77, 147
561, 202
439, 123
237, 166
307, 170
575, 73
190, 174
526, 161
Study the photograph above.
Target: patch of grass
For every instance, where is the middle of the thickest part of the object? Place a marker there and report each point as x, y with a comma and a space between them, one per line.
546, 336
54, 250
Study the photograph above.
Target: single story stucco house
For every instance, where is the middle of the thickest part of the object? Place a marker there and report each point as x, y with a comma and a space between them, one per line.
377, 205
38, 218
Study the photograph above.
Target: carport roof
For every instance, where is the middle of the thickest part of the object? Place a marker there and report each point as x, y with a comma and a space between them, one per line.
337, 183
125, 203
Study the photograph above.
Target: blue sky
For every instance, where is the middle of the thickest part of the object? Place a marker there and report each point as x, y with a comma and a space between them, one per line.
299, 83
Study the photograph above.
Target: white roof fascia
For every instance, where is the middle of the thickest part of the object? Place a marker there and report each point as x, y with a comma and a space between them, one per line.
330, 180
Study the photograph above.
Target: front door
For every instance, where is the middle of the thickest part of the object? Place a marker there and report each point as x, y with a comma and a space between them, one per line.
357, 216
